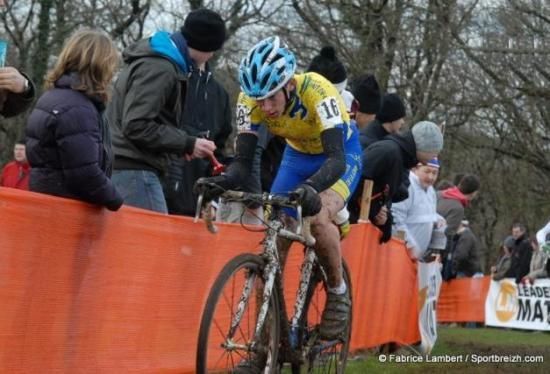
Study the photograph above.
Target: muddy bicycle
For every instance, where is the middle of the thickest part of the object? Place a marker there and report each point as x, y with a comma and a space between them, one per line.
245, 320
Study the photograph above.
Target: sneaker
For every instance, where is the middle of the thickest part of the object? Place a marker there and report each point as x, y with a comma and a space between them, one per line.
335, 316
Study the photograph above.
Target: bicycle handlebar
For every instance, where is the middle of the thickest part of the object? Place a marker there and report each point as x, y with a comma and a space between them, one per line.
263, 199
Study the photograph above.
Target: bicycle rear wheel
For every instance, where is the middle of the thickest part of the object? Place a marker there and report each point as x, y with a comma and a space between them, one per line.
217, 351
321, 356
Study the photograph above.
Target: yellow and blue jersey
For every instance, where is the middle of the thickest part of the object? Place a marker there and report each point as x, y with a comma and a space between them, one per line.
315, 107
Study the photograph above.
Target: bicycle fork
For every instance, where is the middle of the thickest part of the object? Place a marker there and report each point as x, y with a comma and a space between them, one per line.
269, 272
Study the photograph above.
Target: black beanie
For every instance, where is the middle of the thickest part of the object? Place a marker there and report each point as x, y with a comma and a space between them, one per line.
391, 109
204, 30
326, 64
367, 93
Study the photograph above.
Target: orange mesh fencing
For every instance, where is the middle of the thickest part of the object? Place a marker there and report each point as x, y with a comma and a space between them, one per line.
463, 300
83, 289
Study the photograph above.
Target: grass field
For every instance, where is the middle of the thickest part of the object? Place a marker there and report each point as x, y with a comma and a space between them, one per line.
467, 344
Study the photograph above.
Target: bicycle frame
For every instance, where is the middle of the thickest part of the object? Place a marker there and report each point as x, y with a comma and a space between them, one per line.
271, 271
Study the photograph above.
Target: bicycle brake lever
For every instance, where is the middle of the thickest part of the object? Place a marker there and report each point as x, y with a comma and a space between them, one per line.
209, 217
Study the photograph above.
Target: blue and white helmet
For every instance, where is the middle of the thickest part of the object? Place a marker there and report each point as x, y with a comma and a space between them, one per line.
267, 67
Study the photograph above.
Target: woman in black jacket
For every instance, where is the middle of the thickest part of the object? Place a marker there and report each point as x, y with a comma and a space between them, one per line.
68, 142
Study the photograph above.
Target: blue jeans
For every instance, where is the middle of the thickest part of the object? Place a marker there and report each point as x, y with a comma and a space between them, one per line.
140, 188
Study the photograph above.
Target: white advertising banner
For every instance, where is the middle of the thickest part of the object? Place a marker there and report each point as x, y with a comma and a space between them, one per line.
429, 284
518, 306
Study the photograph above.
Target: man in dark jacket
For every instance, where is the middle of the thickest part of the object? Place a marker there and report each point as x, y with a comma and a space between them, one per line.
147, 109
388, 120
385, 162
466, 256
17, 92
207, 115
522, 252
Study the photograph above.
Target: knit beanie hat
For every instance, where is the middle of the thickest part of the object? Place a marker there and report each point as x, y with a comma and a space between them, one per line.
391, 109
327, 64
367, 93
427, 137
509, 242
204, 30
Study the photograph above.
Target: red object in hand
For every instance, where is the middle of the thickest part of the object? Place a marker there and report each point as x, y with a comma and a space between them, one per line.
218, 167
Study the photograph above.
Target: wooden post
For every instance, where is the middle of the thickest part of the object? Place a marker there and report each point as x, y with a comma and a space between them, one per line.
366, 200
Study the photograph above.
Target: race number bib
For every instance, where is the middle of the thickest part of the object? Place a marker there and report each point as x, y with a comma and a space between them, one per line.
243, 118
329, 113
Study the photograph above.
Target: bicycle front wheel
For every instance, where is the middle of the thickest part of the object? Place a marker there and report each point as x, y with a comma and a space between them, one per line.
322, 356
228, 324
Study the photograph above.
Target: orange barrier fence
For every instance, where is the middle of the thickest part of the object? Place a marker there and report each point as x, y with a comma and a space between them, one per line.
83, 289
463, 300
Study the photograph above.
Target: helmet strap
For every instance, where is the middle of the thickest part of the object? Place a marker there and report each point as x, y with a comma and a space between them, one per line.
289, 96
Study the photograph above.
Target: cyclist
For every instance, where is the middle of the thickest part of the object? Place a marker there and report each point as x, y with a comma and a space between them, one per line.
321, 162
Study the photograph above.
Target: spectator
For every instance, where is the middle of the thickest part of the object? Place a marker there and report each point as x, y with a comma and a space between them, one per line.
452, 201
147, 109
466, 253
444, 184
207, 114
416, 216
499, 271
17, 92
543, 235
388, 120
367, 93
384, 163
537, 265
329, 66
521, 253
457, 178
68, 142
16, 173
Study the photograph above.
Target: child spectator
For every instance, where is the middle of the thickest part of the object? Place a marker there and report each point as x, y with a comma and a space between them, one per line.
16, 173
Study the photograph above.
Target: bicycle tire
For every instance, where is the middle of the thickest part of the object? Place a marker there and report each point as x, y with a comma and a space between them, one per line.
310, 321
206, 347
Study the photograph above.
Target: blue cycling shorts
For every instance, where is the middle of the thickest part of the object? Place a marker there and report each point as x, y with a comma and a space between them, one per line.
296, 167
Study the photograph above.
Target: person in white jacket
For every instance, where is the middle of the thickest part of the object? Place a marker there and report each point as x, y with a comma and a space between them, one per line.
543, 235
416, 216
